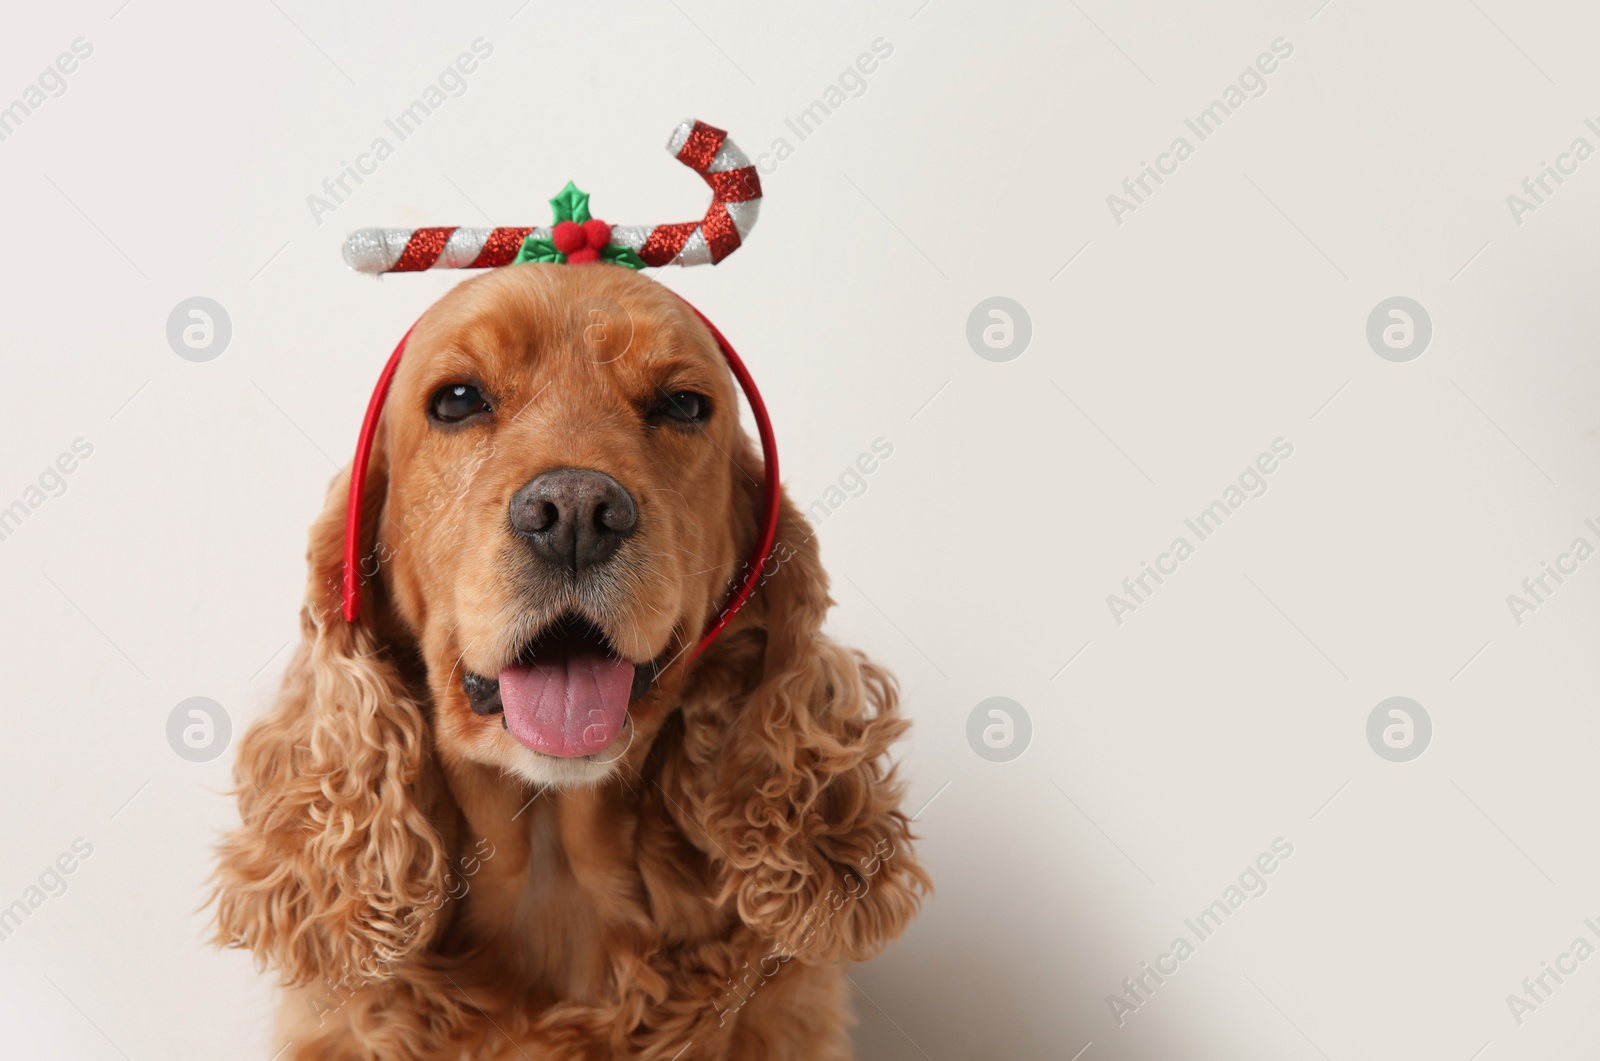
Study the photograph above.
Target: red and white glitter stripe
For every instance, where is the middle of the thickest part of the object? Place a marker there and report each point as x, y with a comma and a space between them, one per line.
735, 204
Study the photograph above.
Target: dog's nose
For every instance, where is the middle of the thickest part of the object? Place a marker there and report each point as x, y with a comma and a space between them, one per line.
574, 517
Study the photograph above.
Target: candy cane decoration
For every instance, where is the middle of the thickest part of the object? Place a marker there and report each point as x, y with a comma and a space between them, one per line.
735, 204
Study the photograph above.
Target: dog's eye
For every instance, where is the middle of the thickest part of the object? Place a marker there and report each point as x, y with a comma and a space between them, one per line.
686, 407
455, 402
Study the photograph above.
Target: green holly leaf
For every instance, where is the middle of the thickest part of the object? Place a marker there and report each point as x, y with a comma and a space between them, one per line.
571, 205
538, 250
617, 254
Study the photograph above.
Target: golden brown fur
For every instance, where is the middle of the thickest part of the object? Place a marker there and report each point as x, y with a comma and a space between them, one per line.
426, 886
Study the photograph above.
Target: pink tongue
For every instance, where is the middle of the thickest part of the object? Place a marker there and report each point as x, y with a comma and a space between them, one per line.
571, 702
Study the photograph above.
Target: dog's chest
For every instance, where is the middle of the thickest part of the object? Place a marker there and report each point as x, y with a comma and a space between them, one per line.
557, 933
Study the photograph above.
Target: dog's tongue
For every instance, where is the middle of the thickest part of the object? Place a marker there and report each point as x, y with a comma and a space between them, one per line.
571, 701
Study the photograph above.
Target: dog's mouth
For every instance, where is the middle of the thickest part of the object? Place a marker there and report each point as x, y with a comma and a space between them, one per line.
567, 692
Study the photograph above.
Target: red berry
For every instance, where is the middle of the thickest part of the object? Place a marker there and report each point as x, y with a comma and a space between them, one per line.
568, 237
597, 232
583, 257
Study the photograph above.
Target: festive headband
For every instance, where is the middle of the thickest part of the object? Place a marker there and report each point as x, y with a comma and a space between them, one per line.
579, 238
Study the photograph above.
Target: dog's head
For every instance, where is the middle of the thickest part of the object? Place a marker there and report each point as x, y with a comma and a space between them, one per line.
560, 499
565, 497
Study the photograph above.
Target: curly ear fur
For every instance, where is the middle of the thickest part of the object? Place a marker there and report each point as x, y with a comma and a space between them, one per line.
789, 779
336, 870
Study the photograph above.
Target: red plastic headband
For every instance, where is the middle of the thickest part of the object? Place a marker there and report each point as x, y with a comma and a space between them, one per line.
351, 588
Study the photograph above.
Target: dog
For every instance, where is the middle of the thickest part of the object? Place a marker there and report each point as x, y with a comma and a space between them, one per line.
508, 812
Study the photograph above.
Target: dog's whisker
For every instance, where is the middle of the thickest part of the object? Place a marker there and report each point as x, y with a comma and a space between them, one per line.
464, 650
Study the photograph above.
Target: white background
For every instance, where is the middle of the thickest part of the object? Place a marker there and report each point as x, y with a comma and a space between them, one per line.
1227, 311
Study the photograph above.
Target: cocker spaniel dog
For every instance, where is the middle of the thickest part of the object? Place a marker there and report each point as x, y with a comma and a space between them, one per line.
507, 813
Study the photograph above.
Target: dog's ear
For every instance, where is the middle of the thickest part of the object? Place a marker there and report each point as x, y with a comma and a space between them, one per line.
336, 870
785, 772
